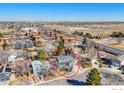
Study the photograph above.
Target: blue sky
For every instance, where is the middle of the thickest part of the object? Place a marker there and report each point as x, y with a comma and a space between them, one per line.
61, 12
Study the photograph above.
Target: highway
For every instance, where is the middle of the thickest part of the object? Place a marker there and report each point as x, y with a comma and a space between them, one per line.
104, 47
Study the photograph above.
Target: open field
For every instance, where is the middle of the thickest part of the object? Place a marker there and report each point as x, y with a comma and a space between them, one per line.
111, 42
89, 28
120, 46
6, 30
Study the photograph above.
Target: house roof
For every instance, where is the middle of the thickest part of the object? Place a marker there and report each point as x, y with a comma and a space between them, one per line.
38, 65
36, 62
62, 59
15, 58
11, 57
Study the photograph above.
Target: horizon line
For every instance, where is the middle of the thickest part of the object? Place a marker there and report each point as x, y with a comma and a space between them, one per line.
60, 21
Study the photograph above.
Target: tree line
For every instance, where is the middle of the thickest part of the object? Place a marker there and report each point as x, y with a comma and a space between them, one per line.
88, 35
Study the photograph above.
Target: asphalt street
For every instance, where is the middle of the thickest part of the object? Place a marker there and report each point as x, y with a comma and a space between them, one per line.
108, 78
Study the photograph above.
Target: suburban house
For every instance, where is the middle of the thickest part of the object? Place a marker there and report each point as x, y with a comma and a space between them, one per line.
39, 40
13, 58
55, 35
58, 36
49, 33
34, 29
40, 69
69, 40
22, 67
65, 62
36, 65
22, 44
4, 40
5, 73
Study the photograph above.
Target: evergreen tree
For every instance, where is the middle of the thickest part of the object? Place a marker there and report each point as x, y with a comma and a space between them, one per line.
60, 47
5, 45
93, 77
42, 55
88, 35
1, 34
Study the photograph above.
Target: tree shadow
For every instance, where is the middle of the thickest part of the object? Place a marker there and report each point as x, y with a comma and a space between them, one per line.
75, 82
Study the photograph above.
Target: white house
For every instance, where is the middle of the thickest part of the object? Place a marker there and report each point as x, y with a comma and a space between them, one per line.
34, 29
65, 62
36, 65
14, 57
40, 69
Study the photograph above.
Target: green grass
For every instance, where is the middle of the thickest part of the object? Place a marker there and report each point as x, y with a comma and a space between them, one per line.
86, 64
